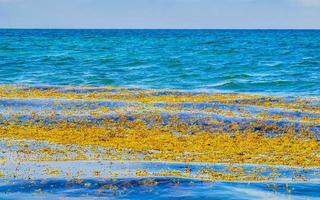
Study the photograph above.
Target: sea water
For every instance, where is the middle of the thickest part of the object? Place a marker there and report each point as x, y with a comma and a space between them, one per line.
257, 61
275, 62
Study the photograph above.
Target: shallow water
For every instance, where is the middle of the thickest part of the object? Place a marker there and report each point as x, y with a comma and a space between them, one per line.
241, 61
126, 185
273, 62
167, 188
33, 167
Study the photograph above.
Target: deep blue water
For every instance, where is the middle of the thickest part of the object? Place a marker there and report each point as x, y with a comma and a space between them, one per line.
259, 61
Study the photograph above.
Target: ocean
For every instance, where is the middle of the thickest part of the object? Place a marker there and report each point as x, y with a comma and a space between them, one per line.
159, 114
250, 61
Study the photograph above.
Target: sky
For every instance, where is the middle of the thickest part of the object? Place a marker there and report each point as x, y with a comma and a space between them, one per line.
171, 14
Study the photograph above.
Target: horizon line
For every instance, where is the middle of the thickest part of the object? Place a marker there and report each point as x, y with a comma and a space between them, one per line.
82, 28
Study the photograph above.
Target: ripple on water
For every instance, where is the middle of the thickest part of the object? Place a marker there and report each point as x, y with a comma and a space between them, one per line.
184, 59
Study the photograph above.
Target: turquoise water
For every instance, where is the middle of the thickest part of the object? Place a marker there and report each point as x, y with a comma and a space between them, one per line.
258, 61
274, 62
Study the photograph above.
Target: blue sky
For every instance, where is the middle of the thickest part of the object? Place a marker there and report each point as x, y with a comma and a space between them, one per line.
160, 13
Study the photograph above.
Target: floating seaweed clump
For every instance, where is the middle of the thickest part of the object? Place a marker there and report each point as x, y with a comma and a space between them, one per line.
45, 124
